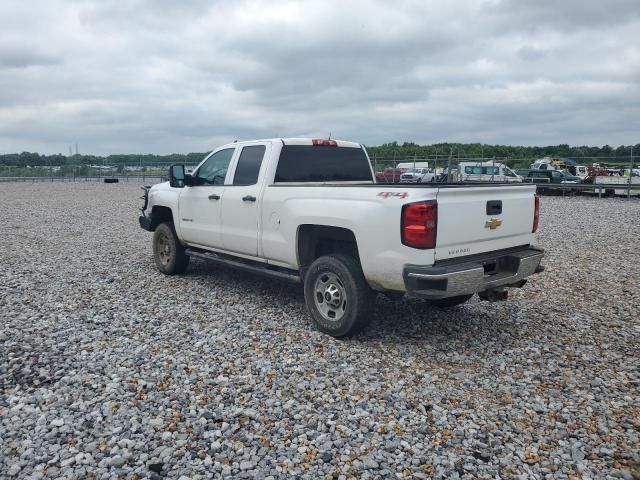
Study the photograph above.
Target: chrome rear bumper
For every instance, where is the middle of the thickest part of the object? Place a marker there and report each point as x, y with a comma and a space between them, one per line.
475, 273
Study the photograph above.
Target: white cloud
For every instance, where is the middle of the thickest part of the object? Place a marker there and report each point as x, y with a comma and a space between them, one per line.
164, 76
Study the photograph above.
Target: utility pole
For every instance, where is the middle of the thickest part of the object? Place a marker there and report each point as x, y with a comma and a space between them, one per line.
493, 168
435, 169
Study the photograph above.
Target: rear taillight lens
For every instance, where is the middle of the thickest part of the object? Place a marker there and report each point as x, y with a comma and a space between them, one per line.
320, 142
419, 224
536, 214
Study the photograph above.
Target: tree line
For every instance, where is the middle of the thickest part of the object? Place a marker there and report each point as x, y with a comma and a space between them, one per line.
385, 151
57, 160
407, 149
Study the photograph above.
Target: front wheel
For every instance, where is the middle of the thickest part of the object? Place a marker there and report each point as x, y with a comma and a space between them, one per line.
167, 251
450, 301
337, 295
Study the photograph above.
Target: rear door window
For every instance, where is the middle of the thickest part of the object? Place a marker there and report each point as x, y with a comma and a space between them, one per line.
309, 163
249, 163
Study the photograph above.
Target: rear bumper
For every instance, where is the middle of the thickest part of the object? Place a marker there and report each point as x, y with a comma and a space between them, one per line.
472, 274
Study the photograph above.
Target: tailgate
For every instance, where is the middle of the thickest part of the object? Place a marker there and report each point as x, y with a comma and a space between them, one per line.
478, 219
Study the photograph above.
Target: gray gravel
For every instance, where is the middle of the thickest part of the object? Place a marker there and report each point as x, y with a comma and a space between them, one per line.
110, 369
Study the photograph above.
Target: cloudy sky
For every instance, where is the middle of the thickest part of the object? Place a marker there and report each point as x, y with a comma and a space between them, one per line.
179, 76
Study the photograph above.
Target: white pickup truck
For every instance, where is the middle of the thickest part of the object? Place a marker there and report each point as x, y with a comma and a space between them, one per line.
310, 211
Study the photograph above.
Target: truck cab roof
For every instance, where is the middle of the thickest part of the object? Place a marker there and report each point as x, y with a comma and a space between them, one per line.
296, 141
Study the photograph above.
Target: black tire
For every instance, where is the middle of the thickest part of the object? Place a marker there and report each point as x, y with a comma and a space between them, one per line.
168, 252
339, 279
450, 302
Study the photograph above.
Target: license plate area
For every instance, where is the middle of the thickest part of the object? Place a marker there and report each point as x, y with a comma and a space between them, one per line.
507, 265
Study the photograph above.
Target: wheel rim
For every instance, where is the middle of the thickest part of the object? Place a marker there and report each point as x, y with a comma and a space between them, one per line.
163, 247
330, 296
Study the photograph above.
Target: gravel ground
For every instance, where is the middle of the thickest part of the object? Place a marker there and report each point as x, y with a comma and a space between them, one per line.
112, 370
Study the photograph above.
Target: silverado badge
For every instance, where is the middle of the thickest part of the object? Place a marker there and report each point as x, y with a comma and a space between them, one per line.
493, 223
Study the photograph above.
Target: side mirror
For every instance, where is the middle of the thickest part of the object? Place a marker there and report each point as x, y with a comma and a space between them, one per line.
188, 180
176, 176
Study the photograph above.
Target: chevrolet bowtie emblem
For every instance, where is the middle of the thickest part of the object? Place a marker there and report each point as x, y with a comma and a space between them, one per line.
493, 223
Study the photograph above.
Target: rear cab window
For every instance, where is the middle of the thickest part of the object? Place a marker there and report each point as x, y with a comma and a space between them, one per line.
311, 163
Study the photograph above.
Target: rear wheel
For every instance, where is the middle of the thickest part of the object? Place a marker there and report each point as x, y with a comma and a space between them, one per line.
168, 253
337, 295
451, 301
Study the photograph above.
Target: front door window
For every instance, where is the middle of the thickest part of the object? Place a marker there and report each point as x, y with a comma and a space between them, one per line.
214, 170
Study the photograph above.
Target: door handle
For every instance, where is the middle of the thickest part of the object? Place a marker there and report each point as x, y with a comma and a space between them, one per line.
213, 196
249, 198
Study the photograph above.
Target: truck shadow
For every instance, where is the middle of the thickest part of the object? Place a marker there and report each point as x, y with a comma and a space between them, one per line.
412, 319
394, 322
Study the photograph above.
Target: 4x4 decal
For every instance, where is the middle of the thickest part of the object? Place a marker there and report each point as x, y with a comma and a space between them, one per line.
393, 194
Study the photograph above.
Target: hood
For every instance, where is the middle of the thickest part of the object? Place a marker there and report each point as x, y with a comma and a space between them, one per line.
161, 186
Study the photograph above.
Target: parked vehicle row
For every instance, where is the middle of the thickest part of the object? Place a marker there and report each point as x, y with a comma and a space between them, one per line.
420, 172
543, 172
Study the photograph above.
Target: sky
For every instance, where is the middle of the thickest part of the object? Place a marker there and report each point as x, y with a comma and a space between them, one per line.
165, 76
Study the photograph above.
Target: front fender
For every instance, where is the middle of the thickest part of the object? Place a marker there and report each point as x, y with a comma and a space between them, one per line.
161, 196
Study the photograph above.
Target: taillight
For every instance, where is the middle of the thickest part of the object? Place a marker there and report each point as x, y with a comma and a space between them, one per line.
320, 142
419, 224
536, 214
